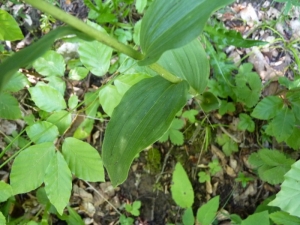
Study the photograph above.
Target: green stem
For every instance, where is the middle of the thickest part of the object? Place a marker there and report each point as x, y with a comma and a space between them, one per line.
165, 73
80, 25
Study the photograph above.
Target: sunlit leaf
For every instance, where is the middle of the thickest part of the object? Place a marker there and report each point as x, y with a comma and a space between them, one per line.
10, 30
207, 212
5, 191
9, 107
42, 132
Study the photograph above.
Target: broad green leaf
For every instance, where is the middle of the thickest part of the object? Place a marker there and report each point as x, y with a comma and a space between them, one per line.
78, 73
285, 218
57, 83
10, 30
31, 163
47, 98
42, 132
73, 217
288, 198
267, 108
83, 160
283, 124
207, 212
5, 191
124, 82
136, 32
61, 119
246, 122
261, 218
2, 219
189, 62
140, 5
188, 217
50, 64
109, 98
91, 103
58, 182
9, 107
294, 141
95, 56
139, 120
29, 54
181, 188
271, 165
172, 24
73, 101
209, 101
226, 107
225, 37
85, 128
16, 82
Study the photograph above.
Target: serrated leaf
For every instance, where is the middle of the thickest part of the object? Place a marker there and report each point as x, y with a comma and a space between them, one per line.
190, 63
31, 163
283, 124
284, 218
226, 107
42, 132
294, 141
271, 165
267, 108
207, 212
139, 120
10, 30
61, 119
228, 145
47, 98
58, 182
246, 123
95, 56
190, 115
27, 55
83, 160
9, 107
50, 64
181, 188
288, 198
176, 137
188, 217
261, 218
172, 24
225, 37
5, 191
16, 82
109, 98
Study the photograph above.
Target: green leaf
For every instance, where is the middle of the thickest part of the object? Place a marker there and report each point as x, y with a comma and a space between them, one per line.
91, 103
190, 115
61, 119
207, 212
271, 165
5, 191
29, 54
225, 37
285, 218
58, 182
226, 107
9, 107
16, 82
190, 63
181, 189
74, 218
2, 219
261, 218
139, 120
288, 198
173, 133
57, 83
85, 128
172, 24
50, 64
109, 98
188, 217
203, 177
124, 82
10, 30
73, 101
294, 141
95, 56
47, 98
228, 145
209, 102
78, 73
140, 5
283, 124
42, 132
246, 123
31, 163
267, 108
83, 160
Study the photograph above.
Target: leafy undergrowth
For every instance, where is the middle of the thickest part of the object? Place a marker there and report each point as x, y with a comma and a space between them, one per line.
220, 160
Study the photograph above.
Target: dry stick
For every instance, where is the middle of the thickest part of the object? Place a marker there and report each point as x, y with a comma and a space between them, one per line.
164, 165
95, 190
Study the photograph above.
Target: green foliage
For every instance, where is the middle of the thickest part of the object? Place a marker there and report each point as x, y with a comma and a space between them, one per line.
284, 218
174, 133
288, 197
190, 115
6, 191
129, 131
288, 5
188, 217
9, 107
153, 160
181, 189
228, 145
207, 212
126, 220
203, 177
9, 30
261, 218
243, 179
271, 165
134, 208
246, 123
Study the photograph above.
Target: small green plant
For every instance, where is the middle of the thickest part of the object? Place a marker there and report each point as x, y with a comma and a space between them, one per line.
134, 208
244, 180
214, 168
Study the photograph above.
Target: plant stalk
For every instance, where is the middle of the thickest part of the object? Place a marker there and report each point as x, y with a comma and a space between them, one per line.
80, 25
